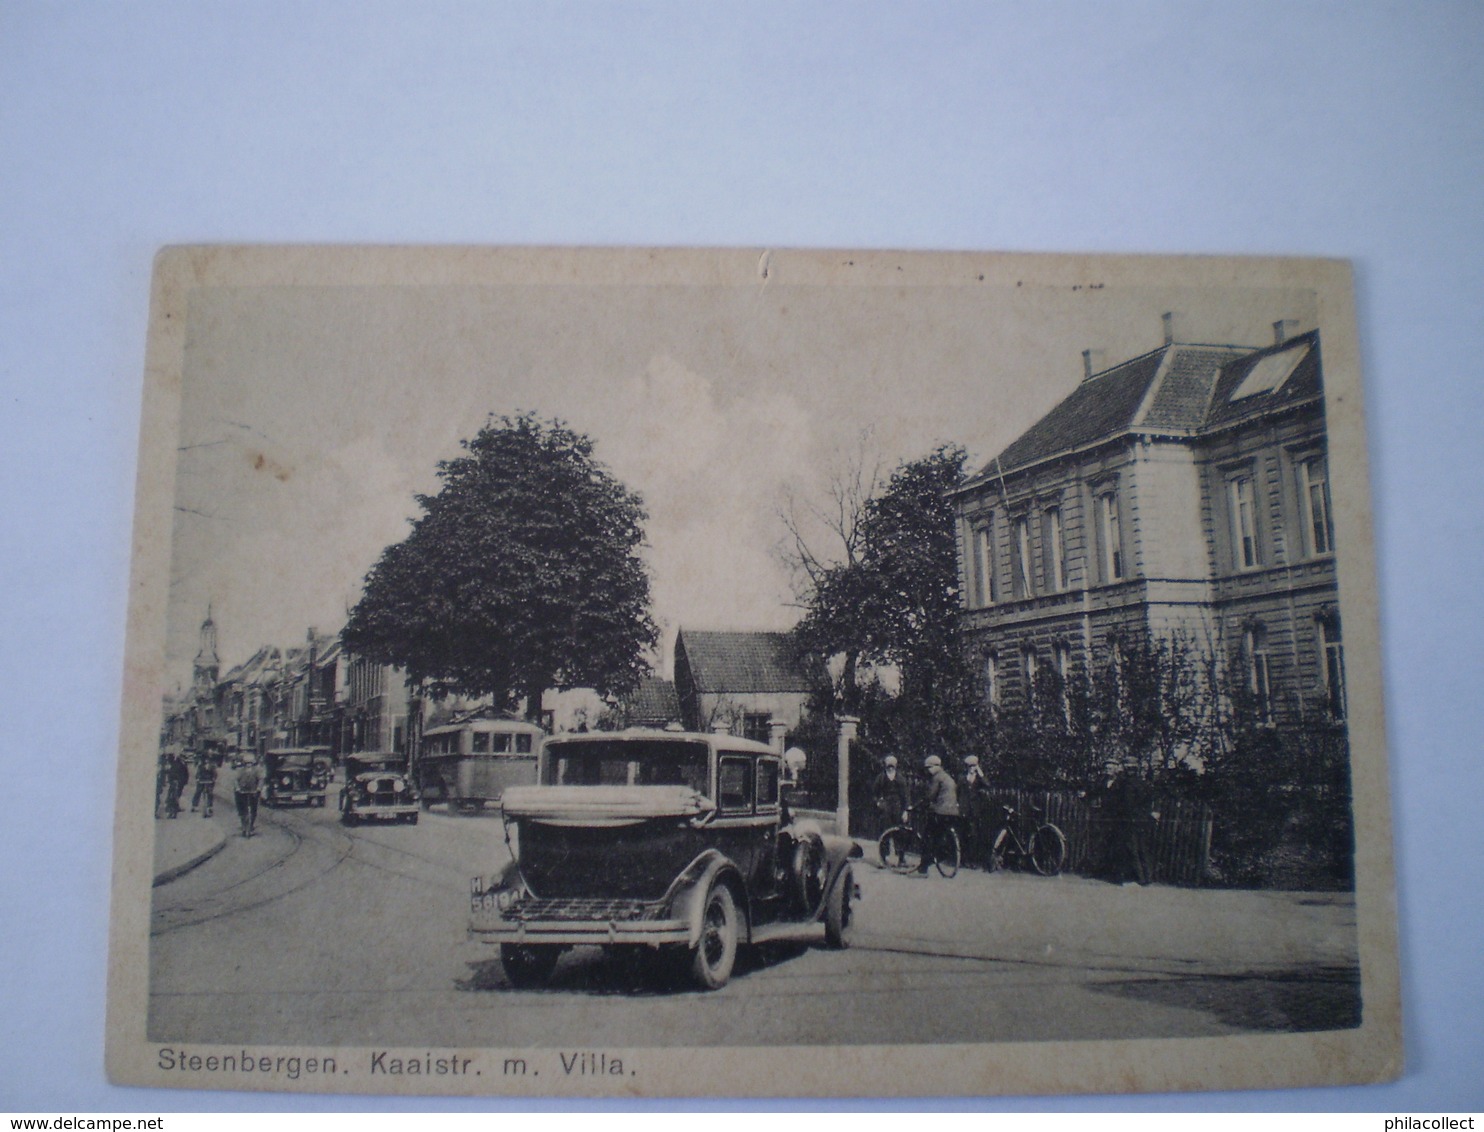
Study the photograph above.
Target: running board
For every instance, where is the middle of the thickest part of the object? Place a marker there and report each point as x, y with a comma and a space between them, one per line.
795, 932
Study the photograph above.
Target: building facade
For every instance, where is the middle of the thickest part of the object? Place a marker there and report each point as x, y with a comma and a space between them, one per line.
1182, 494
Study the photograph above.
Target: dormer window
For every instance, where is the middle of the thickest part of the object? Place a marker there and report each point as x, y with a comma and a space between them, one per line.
1269, 374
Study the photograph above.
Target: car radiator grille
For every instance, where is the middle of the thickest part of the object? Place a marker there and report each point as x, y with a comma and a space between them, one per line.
580, 908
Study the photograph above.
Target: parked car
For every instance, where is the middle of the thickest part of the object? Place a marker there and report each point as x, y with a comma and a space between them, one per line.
377, 787
296, 775
679, 843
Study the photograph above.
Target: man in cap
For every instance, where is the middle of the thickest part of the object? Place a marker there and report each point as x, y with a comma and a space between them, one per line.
976, 804
940, 808
245, 788
890, 792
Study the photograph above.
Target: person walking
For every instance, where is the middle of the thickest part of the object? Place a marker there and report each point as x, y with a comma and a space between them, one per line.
205, 795
162, 783
889, 790
940, 809
177, 775
245, 788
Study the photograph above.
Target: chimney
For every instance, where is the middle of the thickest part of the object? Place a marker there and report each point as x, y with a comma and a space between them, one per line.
1284, 329
1093, 361
1169, 321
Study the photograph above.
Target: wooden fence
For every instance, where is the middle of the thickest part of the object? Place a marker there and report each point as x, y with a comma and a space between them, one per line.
1179, 840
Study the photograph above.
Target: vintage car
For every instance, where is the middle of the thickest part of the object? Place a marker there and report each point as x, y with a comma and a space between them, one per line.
377, 787
678, 842
296, 775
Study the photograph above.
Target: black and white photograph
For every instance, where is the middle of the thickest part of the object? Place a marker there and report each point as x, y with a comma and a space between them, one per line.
636, 672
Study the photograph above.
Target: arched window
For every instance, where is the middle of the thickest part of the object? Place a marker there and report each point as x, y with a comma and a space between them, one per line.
1054, 551
984, 561
1319, 531
1332, 665
1061, 657
1259, 678
1031, 666
1110, 537
992, 680
1023, 573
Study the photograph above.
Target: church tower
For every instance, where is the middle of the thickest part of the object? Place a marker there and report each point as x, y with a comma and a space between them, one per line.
207, 664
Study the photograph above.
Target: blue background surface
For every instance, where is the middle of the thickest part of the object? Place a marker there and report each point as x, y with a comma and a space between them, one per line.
1352, 130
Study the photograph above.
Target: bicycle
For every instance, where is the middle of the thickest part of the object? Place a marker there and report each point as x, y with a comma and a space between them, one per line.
1046, 851
901, 846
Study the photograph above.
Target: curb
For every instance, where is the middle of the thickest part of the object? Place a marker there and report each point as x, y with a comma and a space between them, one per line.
180, 870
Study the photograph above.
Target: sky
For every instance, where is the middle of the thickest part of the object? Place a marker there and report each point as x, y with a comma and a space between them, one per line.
312, 415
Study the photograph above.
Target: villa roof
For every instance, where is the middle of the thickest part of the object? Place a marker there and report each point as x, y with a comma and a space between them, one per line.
1180, 389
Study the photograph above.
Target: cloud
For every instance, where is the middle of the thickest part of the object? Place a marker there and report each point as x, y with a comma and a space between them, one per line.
710, 468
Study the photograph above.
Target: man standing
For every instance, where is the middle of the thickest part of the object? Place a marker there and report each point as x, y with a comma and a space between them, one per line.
890, 793
941, 809
205, 785
177, 775
975, 802
245, 789
1129, 808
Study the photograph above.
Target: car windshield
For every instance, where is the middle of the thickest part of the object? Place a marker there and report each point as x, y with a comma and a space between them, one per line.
627, 762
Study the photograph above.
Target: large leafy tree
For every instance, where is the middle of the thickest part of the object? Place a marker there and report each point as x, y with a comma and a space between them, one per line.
896, 601
523, 573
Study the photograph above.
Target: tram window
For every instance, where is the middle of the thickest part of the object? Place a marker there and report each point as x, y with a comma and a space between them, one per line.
481, 742
523, 744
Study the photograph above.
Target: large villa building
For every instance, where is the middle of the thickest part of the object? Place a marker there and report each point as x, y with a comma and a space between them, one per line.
1184, 492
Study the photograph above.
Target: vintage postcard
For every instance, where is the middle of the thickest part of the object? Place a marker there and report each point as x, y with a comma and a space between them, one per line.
623, 672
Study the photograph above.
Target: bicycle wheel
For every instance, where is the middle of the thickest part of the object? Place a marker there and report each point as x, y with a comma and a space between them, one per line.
1048, 850
949, 853
899, 849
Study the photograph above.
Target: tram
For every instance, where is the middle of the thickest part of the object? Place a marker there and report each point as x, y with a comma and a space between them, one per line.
471, 763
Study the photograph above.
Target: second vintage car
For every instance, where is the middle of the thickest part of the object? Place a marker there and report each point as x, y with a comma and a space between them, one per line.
377, 789
296, 776
680, 843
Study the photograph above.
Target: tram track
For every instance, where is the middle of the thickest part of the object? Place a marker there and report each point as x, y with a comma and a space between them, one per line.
339, 845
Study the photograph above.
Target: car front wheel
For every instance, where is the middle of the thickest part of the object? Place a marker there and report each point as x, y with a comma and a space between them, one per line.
839, 912
716, 952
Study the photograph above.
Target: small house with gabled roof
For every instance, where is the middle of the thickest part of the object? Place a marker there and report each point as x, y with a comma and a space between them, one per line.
742, 681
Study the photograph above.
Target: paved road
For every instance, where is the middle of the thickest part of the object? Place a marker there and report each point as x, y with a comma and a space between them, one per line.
314, 934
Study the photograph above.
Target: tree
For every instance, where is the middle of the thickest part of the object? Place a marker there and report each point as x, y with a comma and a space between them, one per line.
821, 550
896, 602
521, 574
